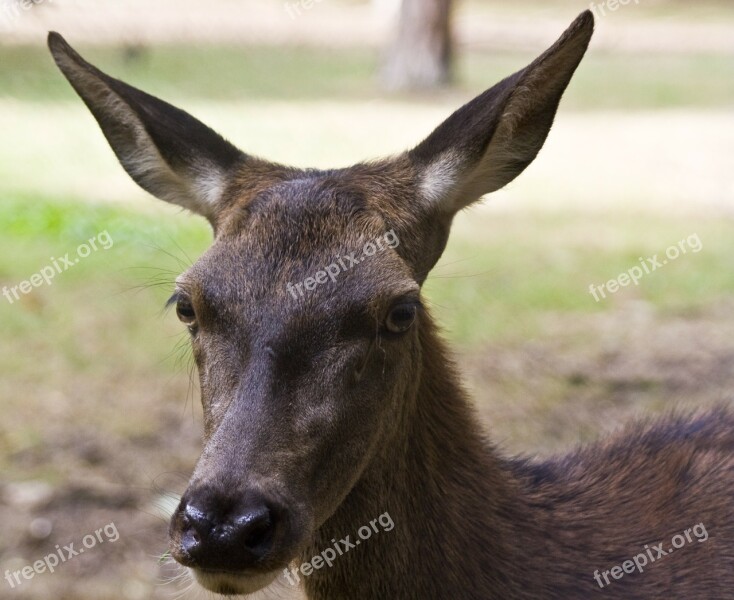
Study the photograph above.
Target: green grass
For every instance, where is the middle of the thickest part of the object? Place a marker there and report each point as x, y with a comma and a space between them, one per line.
199, 71
285, 73
110, 299
626, 82
501, 274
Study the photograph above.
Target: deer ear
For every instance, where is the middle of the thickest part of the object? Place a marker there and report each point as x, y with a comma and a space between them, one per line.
165, 150
489, 141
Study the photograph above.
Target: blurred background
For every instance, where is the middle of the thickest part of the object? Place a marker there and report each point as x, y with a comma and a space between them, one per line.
101, 419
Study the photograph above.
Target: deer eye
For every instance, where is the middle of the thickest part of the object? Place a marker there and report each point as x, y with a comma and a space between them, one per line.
185, 311
400, 318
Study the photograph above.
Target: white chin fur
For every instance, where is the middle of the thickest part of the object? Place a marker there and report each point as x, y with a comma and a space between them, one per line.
227, 584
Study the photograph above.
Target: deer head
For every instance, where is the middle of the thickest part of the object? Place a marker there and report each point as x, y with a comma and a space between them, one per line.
305, 314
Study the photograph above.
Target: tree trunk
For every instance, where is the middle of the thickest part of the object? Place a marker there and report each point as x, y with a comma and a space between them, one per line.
421, 54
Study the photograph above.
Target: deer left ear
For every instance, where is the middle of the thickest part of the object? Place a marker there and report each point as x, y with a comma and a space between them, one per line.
489, 141
165, 150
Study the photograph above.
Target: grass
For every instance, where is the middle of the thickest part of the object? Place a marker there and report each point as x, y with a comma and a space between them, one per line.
113, 293
508, 270
256, 73
502, 275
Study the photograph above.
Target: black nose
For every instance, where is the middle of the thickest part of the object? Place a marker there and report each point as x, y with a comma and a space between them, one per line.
221, 534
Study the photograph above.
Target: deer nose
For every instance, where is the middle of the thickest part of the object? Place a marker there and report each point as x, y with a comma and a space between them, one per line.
215, 535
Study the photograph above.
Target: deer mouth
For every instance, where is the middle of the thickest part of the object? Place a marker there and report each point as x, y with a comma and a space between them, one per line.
230, 584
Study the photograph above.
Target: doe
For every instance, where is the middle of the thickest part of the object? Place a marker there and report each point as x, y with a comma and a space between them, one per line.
327, 408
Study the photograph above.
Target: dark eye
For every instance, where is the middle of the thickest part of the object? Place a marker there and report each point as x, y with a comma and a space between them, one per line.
185, 311
400, 318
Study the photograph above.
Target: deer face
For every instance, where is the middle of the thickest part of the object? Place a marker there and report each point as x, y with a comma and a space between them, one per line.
305, 313
298, 385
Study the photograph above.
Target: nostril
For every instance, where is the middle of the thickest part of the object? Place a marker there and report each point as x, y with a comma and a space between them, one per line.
197, 527
195, 516
190, 542
255, 528
197, 519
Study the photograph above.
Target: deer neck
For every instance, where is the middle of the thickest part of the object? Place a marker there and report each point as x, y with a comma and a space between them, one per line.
442, 486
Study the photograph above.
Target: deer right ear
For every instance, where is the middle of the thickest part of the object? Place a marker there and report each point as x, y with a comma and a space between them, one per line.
489, 141
165, 150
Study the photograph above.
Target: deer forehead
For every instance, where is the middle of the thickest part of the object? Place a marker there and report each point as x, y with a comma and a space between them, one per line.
306, 213
303, 247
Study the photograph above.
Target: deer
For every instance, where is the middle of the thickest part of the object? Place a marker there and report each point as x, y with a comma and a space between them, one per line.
325, 408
